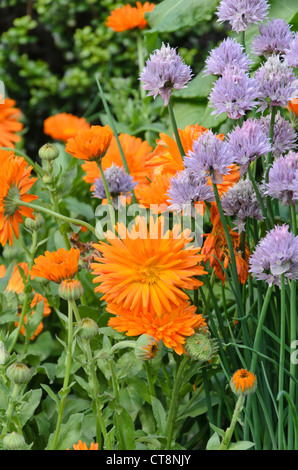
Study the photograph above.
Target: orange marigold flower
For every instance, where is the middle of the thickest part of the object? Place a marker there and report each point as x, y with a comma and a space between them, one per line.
243, 382
146, 269
128, 17
57, 265
63, 126
171, 326
38, 330
293, 106
90, 144
83, 446
156, 193
137, 153
16, 181
215, 246
9, 123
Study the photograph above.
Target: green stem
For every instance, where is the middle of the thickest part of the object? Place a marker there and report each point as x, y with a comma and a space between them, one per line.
229, 432
117, 417
57, 210
141, 62
70, 220
293, 366
10, 408
149, 379
175, 129
174, 403
260, 199
64, 392
242, 38
293, 218
281, 362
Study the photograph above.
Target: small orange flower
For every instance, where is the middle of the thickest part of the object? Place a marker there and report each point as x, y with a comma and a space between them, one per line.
83, 446
156, 193
90, 144
172, 326
128, 17
293, 106
243, 382
9, 123
146, 269
56, 266
38, 330
63, 126
16, 181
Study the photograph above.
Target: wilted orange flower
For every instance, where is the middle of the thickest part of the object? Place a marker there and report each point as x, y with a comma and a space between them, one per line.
16, 181
128, 17
63, 126
9, 123
147, 269
90, 144
83, 446
243, 382
215, 246
137, 153
171, 326
293, 106
57, 265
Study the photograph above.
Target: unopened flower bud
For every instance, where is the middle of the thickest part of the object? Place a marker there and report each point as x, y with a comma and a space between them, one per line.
48, 152
13, 441
47, 179
87, 328
18, 373
146, 347
34, 224
243, 382
200, 346
70, 289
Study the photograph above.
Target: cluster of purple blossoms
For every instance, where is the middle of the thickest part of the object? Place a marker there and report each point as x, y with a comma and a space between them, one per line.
274, 38
242, 13
229, 53
185, 189
284, 135
277, 82
282, 179
209, 158
241, 200
292, 52
164, 71
234, 93
248, 142
119, 183
276, 254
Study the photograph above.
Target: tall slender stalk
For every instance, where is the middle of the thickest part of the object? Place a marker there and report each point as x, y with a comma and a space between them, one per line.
293, 366
281, 362
175, 129
229, 432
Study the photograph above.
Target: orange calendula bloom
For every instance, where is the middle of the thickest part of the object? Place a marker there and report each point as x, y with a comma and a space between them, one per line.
215, 246
63, 126
146, 269
293, 106
243, 382
156, 193
137, 153
128, 17
57, 265
16, 181
90, 144
171, 326
9, 123
38, 330
83, 446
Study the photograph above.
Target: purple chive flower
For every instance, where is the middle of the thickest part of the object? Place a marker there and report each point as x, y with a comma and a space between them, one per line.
119, 183
209, 157
241, 200
164, 71
284, 135
292, 52
234, 93
276, 254
282, 177
231, 54
277, 82
185, 189
242, 13
248, 142
294, 186
274, 38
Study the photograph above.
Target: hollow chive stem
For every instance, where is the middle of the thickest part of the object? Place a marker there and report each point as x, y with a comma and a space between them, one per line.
175, 129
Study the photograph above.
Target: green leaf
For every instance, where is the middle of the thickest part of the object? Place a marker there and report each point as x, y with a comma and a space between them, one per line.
241, 445
159, 415
127, 430
30, 402
199, 87
110, 439
214, 442
173, 15
187, 113
70, 433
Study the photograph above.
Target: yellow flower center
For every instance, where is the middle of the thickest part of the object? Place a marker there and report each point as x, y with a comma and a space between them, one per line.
149, 275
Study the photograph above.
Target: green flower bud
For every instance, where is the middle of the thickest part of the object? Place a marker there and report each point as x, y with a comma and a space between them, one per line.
200, 346
13, 441
34, 224
86, 328
4, 355
47, 179
243, 382
18, 373
70, 289
146, 347
48, 152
